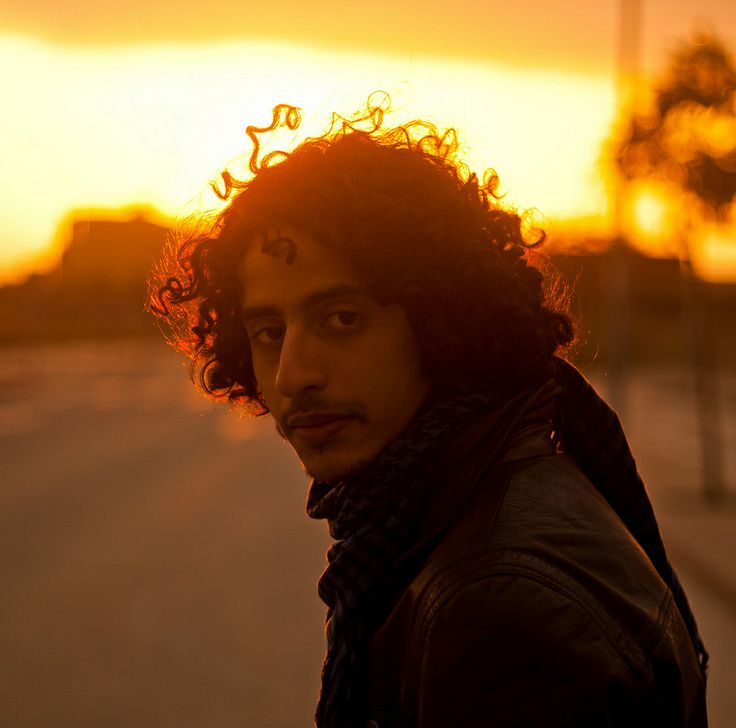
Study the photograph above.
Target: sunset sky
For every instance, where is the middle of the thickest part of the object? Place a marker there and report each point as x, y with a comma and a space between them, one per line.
141, 103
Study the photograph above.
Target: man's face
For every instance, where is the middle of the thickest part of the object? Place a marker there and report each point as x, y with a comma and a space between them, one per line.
339, 372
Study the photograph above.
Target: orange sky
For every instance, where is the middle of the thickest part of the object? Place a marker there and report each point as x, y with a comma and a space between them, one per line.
142, 103
565, 33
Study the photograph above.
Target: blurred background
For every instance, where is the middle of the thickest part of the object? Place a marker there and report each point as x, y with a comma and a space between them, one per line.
157, 568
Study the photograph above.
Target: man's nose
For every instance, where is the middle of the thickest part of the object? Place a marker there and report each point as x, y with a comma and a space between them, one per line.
301, 364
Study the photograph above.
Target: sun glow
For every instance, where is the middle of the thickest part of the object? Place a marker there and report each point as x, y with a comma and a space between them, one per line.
662, 221
650, 223
715, 253
111, 128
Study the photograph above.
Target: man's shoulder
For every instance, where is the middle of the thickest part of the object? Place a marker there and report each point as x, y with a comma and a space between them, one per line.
536, 575
539, 518
535, 540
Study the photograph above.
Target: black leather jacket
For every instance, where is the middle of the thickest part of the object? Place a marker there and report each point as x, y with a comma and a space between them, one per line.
529, 604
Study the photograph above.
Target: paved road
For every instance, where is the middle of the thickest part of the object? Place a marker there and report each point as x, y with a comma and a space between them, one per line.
157, 566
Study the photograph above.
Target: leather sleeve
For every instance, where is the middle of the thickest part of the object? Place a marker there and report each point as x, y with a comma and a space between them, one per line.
510, 650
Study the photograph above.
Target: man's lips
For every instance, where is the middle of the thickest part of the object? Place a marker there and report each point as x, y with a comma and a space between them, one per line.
318, 428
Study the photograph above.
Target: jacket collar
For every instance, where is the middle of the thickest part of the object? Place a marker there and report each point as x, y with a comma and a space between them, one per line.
518, 429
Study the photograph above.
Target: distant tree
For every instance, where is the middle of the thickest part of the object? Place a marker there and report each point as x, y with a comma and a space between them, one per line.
686, 137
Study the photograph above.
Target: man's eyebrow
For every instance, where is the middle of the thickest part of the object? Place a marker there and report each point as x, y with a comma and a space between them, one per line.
313, 299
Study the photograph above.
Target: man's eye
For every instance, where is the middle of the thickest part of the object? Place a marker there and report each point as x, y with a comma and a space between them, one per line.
342, 320
268, 335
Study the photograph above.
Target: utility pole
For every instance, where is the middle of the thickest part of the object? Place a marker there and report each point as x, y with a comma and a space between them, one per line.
617, 284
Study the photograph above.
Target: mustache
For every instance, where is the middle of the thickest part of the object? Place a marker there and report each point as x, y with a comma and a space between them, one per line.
307, 406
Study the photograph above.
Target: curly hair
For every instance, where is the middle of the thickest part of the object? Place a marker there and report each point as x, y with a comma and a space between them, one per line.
419, 227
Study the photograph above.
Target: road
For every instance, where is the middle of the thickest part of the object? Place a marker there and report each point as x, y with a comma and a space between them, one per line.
157, 566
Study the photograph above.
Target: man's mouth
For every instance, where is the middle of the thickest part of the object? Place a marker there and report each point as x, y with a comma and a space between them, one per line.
319, 427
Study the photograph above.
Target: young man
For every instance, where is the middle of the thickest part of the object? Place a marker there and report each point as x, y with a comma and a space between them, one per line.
496, 559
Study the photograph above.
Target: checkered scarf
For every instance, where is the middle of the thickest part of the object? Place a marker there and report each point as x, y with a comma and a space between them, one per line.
373, 517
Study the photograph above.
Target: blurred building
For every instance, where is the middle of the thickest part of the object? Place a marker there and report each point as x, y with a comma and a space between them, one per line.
657, 318
110, 255
98, 289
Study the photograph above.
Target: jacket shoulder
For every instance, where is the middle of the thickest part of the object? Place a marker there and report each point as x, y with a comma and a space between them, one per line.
510, 643
537, 598
541, 518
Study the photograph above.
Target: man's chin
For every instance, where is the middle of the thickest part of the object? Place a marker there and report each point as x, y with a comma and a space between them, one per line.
330, 467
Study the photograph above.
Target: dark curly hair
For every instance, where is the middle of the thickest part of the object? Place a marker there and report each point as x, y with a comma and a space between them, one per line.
422, 230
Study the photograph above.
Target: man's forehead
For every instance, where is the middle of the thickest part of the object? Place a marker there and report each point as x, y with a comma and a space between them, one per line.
294, 271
